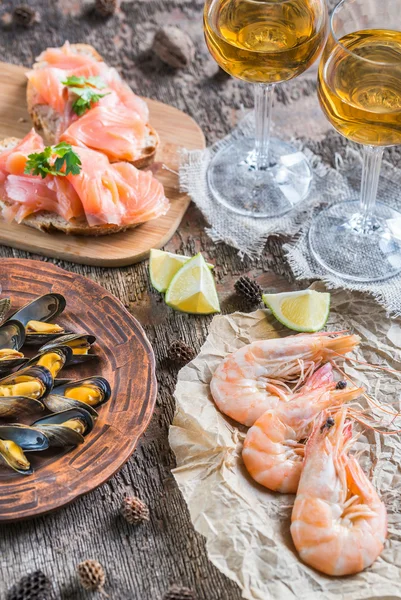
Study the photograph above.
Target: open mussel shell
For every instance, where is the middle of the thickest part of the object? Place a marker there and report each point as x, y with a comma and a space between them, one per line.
14, 407
46, 309
73, 341
53, 359
28, 438
88, 393
5, 304
61, 435
30, 382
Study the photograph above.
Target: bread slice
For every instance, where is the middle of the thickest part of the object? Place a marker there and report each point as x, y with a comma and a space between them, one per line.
46, 120
51, 222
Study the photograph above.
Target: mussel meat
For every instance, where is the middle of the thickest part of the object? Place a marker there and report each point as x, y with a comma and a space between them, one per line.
37, 318
15, 440
12, 455
80, 344
86, 393
31, 382
5, 304
53, 360
66, 428
12, 337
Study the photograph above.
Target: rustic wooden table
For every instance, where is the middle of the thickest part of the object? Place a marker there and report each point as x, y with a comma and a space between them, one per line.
141, 562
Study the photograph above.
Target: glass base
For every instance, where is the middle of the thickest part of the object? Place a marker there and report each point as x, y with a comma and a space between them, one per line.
235, 182
346, 245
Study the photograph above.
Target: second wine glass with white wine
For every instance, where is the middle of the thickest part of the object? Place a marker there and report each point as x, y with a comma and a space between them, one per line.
360, 92
263, 42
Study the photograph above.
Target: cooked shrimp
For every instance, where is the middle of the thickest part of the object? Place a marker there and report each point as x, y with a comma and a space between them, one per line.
253, 379
273, 452
339, 523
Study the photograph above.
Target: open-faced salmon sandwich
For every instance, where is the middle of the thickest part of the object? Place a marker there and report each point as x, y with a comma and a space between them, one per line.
73, 189
75, 97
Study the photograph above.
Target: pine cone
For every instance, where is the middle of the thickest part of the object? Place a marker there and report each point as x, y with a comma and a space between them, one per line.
25, 16
34, 586
249, 288
106, 8
177, 592
181, 353
134, 510
91, 575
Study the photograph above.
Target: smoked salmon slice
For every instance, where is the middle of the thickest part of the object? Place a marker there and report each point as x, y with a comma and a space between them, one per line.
65, 57
116, 133
102, 193
117, 124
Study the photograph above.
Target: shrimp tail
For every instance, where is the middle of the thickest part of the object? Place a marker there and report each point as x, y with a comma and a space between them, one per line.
339, 345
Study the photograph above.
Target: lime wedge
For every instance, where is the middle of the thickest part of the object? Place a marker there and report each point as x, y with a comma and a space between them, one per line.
163, 266
305, 311
192, 289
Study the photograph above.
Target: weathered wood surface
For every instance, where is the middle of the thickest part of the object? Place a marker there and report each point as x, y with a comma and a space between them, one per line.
141, 562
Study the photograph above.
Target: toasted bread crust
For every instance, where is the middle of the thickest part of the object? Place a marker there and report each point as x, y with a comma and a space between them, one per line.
45, 119
52, 223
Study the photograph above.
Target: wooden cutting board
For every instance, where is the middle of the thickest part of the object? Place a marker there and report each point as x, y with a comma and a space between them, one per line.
176, 129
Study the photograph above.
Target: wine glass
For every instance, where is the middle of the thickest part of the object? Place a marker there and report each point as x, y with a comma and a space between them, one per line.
263, 42
360, 92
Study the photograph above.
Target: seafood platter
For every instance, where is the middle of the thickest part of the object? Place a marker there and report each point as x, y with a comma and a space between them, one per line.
77, 387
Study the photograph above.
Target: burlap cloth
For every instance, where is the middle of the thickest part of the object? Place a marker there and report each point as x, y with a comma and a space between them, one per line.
331, 184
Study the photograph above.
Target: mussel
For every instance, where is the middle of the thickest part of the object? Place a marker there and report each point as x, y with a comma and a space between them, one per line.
12, 337
86, 393
31, 382
12, 455
15, 440
53, 360
38, 316
80, 344
5, 304
21, 392
66, 428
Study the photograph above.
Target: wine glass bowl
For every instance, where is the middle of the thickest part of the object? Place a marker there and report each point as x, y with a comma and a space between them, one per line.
263, 42
359, 88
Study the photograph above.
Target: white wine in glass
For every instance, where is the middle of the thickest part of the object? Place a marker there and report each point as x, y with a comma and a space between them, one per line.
263, 42
359, 89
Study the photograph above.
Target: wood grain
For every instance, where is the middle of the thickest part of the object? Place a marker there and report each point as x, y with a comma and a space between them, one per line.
176, 130
125, 358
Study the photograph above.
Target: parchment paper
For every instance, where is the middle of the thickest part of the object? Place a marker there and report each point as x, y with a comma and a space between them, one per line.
247, 528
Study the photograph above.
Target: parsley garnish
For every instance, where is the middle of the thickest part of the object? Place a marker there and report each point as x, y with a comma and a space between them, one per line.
42, 163
87, 90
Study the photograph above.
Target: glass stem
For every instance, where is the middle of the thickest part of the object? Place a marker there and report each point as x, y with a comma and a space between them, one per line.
264, 95
372, 161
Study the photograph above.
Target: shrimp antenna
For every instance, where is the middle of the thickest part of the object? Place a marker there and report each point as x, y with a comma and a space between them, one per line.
355, 413
366, 364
